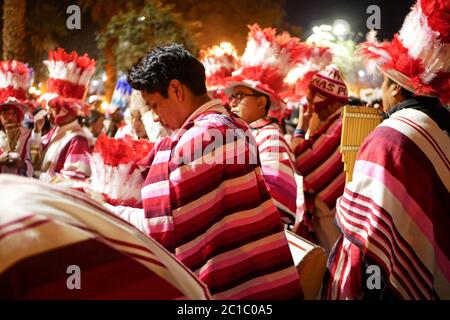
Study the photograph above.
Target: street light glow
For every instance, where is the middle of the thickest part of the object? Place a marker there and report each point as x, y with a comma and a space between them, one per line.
341, 28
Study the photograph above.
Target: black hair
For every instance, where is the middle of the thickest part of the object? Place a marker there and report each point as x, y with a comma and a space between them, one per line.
94, 116
153, 72
355, 101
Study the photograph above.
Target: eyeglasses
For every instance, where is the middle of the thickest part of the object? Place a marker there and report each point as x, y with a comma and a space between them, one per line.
237, 97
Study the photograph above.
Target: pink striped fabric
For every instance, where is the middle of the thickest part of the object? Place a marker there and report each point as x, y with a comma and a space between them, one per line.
319, 161
218, 218
277, 164
395, 212
72, 160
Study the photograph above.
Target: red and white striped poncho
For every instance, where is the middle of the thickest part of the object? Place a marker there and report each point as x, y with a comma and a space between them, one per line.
396, 212
277, 164
47, 234
319, 161
23, 149
214, 211
66, 150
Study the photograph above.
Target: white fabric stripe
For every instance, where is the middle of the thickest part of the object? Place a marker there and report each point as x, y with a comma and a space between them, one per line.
230, 258
340, 269
375, 250
393, 245
387, 247
162, 157
230, 222
422, 143
208, 200
406, 227
156, 189
280, 277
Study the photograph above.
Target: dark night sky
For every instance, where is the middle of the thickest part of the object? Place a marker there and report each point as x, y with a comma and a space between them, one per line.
303, 13
307, 13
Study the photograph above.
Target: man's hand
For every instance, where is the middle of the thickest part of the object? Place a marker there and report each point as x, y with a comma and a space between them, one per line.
304, 117
38, 125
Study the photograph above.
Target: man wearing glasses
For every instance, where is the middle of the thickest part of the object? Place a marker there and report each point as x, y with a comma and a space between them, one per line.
254, 96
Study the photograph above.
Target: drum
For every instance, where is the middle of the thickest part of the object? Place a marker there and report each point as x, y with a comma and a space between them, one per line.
310, 261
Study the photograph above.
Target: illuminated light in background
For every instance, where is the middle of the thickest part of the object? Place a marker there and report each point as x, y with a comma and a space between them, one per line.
95, 83
361, 73
104, 106
141, 18
341, 28
104, 77
326, 28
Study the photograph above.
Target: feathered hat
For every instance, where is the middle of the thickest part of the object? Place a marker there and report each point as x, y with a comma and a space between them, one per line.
313, 59
121, 96
266, 61
115, 173
14, 86
69, 76
219, 62
418, 57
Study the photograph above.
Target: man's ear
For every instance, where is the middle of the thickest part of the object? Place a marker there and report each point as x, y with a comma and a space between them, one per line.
175, 90
396, 90
262, 102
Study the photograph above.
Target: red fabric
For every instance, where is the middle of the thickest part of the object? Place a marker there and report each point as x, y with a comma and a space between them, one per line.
82, 62
438, 16
19, 93
65, 88
122, 151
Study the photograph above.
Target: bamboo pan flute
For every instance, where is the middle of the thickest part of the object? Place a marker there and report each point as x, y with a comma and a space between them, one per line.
357, 123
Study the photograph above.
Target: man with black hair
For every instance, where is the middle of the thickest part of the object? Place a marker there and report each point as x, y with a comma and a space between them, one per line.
210, 209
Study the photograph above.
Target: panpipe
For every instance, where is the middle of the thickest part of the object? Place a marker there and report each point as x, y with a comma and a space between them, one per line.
357, 123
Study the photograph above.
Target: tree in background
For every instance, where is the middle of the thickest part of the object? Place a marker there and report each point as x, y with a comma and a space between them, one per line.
102, 11
42, 36
136, 31
14, 44
227, 20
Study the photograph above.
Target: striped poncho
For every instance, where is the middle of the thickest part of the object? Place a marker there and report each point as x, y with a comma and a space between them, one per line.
319, 161
65, 150
205, 200
58, 244
23, 150
277, 164
395, 214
